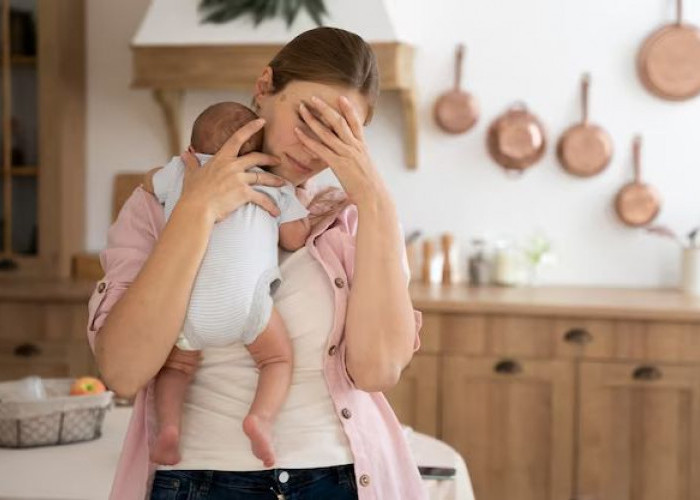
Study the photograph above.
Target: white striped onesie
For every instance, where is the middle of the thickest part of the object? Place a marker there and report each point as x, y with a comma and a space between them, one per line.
230, 300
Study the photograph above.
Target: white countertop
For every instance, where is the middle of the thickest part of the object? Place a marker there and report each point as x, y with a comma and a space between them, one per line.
83, 471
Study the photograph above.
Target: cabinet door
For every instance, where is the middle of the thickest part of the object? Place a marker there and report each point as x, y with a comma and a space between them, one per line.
415, 397
513, 421
639, 432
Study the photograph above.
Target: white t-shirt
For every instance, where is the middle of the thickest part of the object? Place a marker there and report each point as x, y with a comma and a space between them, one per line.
307, 433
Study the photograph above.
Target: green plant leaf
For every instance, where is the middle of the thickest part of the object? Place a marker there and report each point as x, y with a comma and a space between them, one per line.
316, 9
222, 11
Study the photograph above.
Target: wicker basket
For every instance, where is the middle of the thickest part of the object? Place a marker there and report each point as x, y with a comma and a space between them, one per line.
59, 419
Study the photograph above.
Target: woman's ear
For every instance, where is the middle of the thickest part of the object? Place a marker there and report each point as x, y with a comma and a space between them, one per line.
263, 85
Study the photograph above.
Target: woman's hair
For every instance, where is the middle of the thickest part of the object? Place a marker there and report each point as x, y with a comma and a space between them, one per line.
328, 55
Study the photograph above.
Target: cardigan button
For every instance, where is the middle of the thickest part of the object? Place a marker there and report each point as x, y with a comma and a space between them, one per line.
101, 287
332, 350
346, 413
364, 480
339, 282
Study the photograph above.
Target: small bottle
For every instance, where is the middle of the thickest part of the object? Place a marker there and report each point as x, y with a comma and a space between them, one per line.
447, 258
427, 260
479, 265
507, 264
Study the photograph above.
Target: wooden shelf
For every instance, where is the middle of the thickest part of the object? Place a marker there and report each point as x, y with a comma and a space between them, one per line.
25, 171
18, 60
170, 70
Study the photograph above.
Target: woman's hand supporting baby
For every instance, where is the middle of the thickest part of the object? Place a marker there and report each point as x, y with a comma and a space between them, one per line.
143, 325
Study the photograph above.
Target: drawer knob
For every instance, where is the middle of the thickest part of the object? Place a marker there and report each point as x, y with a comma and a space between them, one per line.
508, 367
27, 350
578, 336
647, 373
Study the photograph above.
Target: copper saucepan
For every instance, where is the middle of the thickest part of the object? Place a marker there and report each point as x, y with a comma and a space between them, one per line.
516, 140
456, 111
637, 203
585, 149
668, 61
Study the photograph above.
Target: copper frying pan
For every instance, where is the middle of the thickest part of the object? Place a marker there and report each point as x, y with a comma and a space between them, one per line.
585, 149
456, 111
668, 62
516, 140
637, 204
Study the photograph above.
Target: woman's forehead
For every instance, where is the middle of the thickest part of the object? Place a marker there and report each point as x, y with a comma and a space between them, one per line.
303, 91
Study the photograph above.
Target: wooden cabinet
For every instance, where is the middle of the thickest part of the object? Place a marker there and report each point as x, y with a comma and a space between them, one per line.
639, 435
558, 394
43, 328
512, 421
415, 399
42, 111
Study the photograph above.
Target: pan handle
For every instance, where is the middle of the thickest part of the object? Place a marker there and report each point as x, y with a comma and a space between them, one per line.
679, 12
585, 86
637, 155
459, 61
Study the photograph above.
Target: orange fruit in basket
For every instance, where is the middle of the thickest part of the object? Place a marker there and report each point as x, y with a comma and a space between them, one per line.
87, 385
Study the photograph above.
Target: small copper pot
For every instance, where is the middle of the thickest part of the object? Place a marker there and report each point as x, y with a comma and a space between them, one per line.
585, 149
456, 111
517, 140
637, 204
668, 62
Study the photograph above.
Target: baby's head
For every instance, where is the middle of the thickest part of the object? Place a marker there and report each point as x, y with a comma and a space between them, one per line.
215, 125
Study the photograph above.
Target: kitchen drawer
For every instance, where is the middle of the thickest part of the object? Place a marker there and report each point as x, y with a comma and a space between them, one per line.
565, 338
46, 358
643, 340
502, 335
26, 320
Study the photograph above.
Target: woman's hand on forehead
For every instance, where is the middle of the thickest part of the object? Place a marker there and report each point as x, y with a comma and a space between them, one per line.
340, 143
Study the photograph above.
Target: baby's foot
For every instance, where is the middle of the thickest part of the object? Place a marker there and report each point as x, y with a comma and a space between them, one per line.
259, 431
166, 449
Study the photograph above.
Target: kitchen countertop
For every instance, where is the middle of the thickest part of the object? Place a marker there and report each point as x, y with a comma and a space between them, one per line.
16, 288
617, 303
84, 471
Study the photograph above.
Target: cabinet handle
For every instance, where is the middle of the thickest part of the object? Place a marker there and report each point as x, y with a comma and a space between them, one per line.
508, 367
578, 336
27, 350
647, 373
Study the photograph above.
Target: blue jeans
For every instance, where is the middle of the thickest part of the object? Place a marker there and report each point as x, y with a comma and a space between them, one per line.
337, 483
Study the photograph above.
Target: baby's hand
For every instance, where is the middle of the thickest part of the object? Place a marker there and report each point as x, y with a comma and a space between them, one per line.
148, 180
293, 234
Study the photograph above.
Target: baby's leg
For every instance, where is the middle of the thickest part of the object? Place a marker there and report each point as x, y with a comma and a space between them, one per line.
272, 352
171, 386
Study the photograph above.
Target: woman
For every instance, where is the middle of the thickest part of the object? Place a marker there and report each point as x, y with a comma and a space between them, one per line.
343, 298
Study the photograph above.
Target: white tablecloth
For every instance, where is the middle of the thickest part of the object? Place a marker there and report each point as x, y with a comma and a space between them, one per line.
84, 471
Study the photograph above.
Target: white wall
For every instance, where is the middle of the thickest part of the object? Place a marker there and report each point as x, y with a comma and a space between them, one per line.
534, 51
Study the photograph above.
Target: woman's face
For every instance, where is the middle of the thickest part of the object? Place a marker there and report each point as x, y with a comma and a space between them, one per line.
281, 113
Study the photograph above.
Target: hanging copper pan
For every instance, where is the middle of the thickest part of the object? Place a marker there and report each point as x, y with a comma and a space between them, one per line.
668, 62
517, 140
456, 111
637, 204
585, 149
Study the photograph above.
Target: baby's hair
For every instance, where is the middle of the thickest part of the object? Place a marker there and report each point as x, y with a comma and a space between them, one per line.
218, 122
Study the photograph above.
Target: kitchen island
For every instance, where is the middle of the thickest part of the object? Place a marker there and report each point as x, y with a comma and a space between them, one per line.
83, 471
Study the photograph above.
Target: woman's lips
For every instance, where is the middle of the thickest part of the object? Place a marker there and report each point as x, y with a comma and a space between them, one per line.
299, 166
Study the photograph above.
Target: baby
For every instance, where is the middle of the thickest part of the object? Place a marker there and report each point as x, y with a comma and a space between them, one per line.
230, 299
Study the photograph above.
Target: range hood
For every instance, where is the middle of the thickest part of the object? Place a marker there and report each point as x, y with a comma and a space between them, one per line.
173, 52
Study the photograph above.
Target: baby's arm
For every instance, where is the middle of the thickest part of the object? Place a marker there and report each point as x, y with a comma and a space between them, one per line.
293, 234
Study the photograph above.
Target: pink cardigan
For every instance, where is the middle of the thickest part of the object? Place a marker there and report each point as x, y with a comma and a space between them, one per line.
384, 466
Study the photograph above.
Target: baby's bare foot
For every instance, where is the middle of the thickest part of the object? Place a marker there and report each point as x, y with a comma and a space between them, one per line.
259, 431
166, 449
